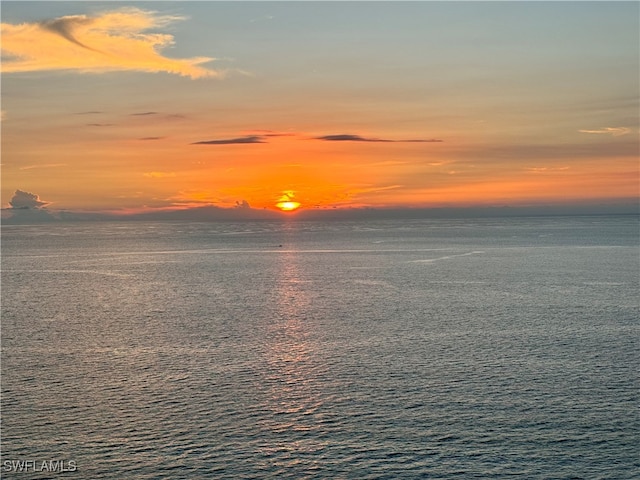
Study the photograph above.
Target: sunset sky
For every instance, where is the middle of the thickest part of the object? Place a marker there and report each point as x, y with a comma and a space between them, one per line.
134, 106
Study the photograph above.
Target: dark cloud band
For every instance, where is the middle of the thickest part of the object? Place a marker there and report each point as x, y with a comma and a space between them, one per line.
232, 141
358, 138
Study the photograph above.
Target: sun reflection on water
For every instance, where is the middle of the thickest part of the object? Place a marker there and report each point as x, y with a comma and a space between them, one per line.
293, 389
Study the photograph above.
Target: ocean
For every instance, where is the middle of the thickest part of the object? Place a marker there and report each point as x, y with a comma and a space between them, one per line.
387, 349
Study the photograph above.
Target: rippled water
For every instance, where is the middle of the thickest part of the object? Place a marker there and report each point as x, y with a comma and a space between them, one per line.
414, 349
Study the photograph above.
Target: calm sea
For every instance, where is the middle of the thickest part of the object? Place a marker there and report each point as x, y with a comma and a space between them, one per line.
487, 348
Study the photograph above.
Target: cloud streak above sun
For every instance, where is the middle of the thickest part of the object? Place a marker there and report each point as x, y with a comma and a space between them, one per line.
231, 141
262, 138
358, 138
117, 40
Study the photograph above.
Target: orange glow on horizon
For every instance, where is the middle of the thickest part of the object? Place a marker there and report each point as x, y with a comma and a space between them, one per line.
243, 138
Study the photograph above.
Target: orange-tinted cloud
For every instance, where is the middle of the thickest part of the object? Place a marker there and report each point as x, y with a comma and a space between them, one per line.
615, 131
109, 41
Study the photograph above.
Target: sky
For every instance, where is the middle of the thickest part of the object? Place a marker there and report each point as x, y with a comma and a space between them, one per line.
131, 108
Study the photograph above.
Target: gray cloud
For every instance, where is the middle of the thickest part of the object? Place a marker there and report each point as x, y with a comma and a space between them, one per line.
65, 27
357, 138
230, 141
210, 213
143, 113
262, 135
151, 138
26, 200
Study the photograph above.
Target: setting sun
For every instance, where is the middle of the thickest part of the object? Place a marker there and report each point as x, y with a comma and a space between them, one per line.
286, 202
288, 206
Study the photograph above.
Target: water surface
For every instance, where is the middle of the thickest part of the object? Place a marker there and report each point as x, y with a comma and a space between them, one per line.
390, 349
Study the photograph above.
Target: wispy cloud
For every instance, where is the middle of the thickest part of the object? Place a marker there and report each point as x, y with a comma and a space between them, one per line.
231, 141
43, 165
100, 124
151, 138
138, 114
606, 147
357, 138
615, 131
109, 41
160, 174
547, 169
270, 133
